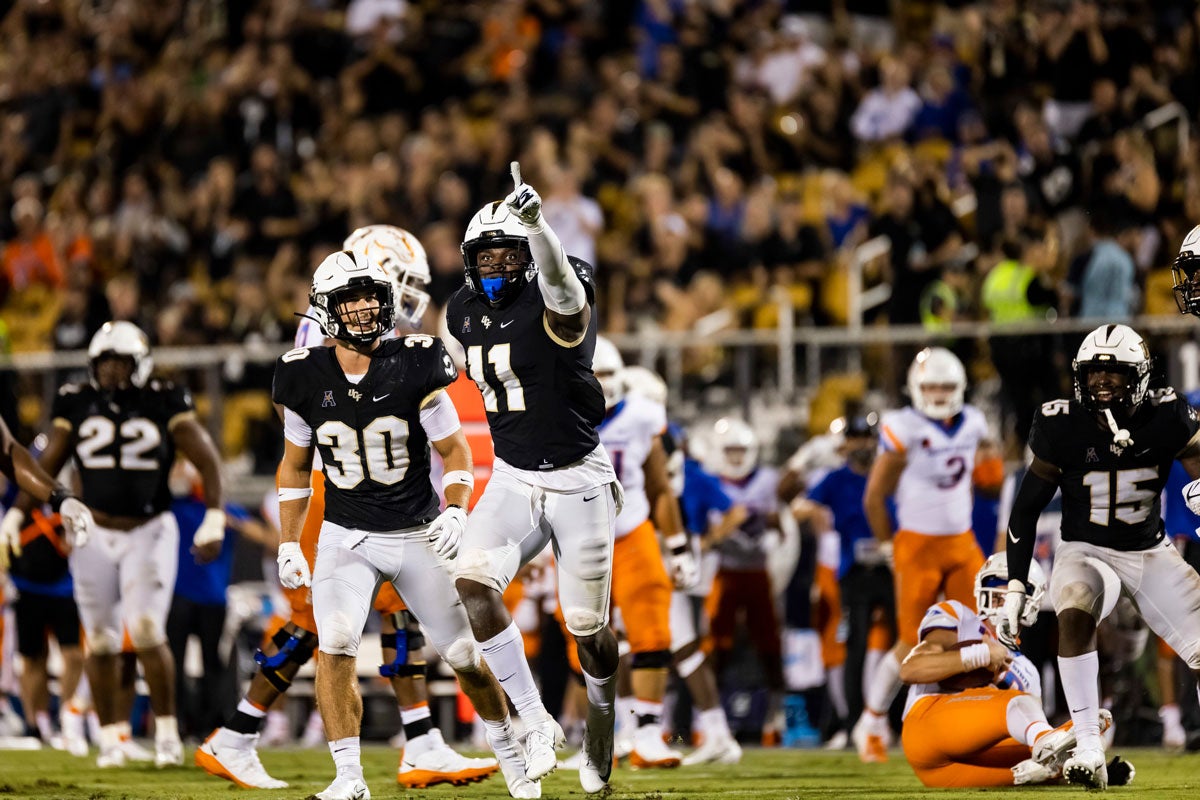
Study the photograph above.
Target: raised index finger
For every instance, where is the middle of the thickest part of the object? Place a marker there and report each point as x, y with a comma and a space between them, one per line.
515, 166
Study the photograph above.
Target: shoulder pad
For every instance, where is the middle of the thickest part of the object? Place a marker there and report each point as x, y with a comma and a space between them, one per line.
1160, 396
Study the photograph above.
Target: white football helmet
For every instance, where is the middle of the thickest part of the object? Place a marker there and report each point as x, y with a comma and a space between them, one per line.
608, 365
991, 583
495, 225
937, 366
344, 273
646, 382
122, 338
736, 446
1113, 348
403, 258
1184, 272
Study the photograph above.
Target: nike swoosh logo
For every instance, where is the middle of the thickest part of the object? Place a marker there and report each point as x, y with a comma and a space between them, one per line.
1013, 539
1076, 710
506, 324
590, 499
377, 399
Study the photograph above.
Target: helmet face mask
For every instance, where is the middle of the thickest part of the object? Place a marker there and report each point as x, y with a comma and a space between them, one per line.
496, 275
114, 345
1185, 273
991, 586
353, 298
937, 383
1112, 369
403, 259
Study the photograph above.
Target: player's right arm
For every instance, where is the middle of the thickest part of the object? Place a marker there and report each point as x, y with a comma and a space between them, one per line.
881, 484
933, 659
54, 456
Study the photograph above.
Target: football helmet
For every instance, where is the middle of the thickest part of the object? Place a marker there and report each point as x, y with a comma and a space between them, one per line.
646, 382
937, 366
1113, 348
736, 446
403, 258
495, 225
1184, 272
608, 367
991, 584
341, 276
121, 338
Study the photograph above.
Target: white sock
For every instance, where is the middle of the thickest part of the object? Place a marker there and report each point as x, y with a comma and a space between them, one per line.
502, 740
414, 714
347, 757
44, 726
626, 715
712, 722
110, 736
835, 685
884, 685
165, 729
251, 710
1170, 715
505, 655
1026, 720
125, 729
870, 665
602, 692
649, 712
1080, 679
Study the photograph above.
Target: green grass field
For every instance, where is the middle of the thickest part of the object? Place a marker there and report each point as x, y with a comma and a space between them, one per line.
764, 774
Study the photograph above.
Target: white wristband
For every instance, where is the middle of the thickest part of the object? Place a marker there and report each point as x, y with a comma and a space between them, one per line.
458, 477
291, 493
975, 656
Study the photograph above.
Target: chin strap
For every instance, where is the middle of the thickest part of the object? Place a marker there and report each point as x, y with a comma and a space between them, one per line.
1121, 436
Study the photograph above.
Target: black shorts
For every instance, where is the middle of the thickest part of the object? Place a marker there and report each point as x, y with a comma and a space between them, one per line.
39, 614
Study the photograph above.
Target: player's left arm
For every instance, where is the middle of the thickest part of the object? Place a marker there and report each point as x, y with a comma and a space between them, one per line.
567, 310
20, 467
194, 442
933, 660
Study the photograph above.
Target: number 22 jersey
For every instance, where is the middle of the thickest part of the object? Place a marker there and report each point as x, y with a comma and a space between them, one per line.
374, 451
934, 494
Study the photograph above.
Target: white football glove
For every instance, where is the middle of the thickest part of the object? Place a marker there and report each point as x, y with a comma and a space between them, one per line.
1191, 496
293, 568
681, 563
446, 532
524, 201
77, 521
10, 536
1009, 629
211, 532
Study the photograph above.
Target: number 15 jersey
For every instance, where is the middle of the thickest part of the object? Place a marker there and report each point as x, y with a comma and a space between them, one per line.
934, 494
1111, 493
374, 451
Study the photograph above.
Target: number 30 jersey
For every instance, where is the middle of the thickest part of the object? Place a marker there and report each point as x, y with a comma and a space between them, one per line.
123, 444
374, 451
543, 403
1111, 493
934, 494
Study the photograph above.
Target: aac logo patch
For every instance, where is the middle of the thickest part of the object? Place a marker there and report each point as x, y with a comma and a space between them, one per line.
328, 400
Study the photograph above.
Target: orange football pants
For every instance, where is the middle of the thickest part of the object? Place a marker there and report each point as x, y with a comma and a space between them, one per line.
641, 589
386, 601
827, 616
927, 567
962, 739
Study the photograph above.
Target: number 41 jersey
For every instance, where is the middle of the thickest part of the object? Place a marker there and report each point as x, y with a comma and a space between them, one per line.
123, 444
1111, 494
374, 452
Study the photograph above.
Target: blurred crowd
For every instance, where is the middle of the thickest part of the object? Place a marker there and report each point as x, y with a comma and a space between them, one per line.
186, 170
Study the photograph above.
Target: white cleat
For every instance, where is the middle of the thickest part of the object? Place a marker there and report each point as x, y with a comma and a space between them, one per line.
111, 757
871, 736
344, 788
541, 740
512, 766
439, 763
839, 741
1053, 748
74, 733
1174, 738
623, 745
650, 751
168, 752
1030, 772
234, 757
572, 762
1087, 768
597, 764
134, 751
715, 750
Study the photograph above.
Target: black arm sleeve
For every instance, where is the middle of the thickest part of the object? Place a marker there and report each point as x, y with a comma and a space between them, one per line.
1033, 495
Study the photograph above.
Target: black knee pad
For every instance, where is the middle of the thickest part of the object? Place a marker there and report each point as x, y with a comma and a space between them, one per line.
292, 648
655, 659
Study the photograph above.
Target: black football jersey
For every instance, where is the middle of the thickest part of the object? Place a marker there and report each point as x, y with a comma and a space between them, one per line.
123, 446
1111, 494
374, 451
543, 403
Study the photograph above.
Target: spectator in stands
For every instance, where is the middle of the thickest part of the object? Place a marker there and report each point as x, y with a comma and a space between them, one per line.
577, 219
887, 111
1106, 287
30, 258
1075, 50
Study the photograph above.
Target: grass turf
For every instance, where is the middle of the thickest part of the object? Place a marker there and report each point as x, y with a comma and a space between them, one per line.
762, 775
